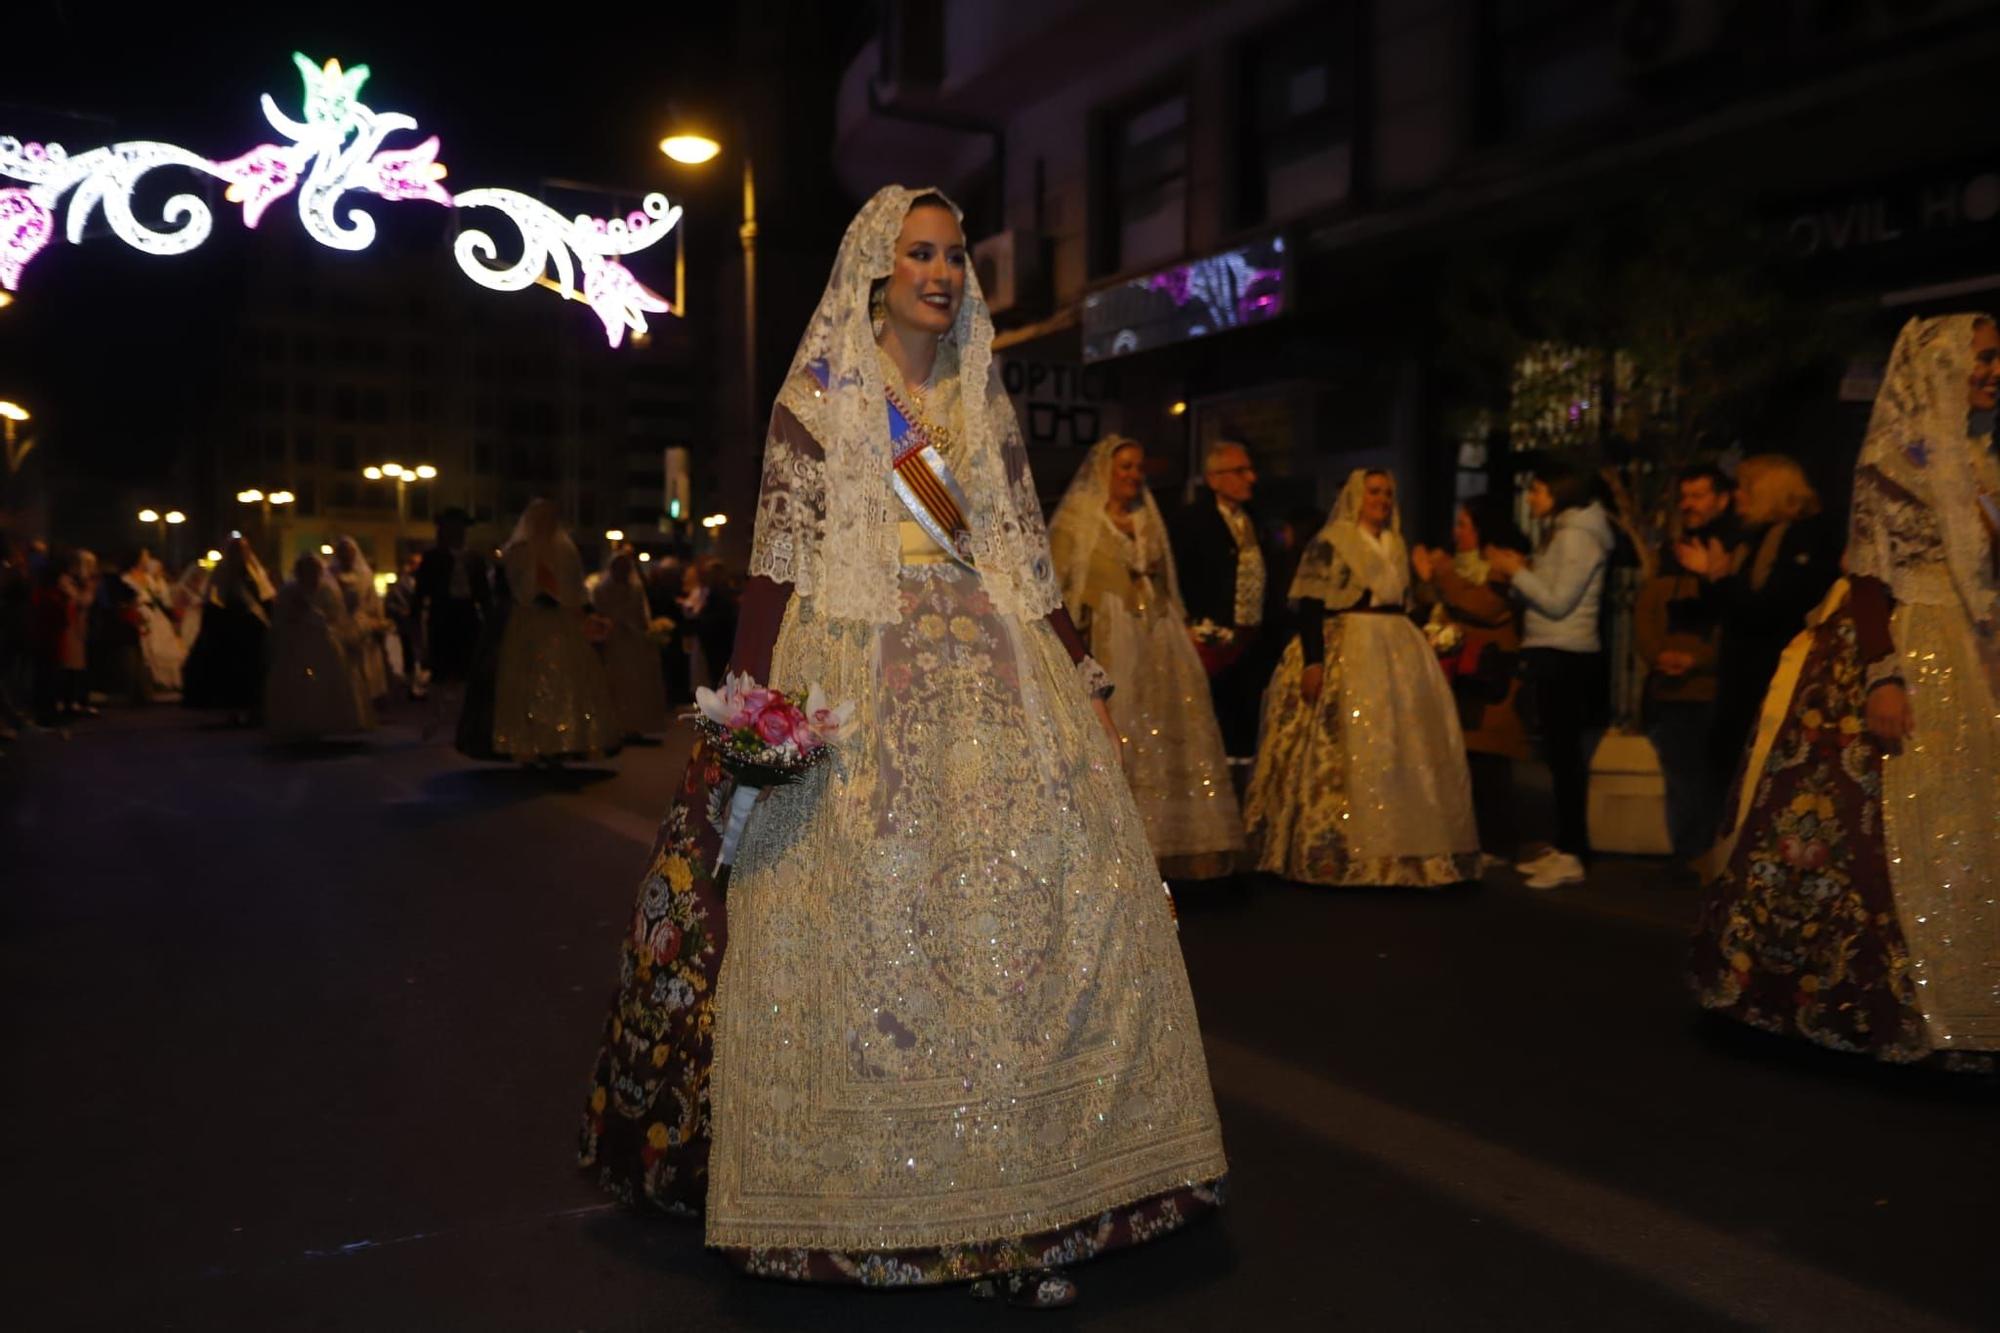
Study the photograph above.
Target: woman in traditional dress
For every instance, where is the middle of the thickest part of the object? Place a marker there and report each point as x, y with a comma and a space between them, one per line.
631, 657
1483, 664
161, 651
355, 579
225, 668
314, 690
1118, 582
1361, 774
953, 1037
1857, 902
550, 700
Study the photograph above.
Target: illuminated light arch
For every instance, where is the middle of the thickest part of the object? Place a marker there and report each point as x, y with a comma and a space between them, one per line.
337, 149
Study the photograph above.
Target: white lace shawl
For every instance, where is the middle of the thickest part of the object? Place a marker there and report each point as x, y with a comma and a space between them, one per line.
827, 519
1080, 522
1342, 562
1921, 471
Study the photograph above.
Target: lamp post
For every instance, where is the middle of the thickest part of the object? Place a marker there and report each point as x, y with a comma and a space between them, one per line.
402, 476
12, 414
264, 500
691, 148
172, 518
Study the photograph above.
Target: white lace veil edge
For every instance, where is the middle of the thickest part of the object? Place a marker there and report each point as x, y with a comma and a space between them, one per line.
1338, 551
1920, 439
1080, 516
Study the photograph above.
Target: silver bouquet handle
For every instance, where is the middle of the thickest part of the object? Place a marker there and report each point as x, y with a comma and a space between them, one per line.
740, 803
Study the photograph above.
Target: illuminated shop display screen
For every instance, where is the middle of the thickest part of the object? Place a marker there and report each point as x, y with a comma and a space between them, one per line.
1237, 288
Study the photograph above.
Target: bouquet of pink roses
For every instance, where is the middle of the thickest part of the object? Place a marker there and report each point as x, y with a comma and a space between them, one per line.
763, 738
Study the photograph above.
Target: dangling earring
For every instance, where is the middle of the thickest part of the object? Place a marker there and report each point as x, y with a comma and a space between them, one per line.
878, 311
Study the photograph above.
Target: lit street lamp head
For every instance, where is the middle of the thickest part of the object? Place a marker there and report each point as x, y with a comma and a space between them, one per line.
13, 411
175, 518
149, 516
690, 149
372, 473
282, 497
250, 497
425, 472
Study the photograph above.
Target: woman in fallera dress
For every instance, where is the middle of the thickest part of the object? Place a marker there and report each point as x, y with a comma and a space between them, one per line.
315, 688
1118, 582
355, 578
952, 1034
1361, 774
1857, 902
631, 658
550, 699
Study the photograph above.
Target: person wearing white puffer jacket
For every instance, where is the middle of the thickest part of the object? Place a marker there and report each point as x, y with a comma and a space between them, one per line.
1562, 653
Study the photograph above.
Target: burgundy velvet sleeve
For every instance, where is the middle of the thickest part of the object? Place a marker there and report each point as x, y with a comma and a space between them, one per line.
759, 613
1871, 603
1065, 629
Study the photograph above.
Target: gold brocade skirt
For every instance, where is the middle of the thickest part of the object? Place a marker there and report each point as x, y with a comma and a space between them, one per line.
953, 1007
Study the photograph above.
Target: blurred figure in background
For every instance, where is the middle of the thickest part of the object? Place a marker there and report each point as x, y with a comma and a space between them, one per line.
315, 688
551, 702
1759, 591
225, 668
1117, 575
664, 580
631, 657
454, 605
1361, 776
160, 646
62, 626
1483, 665
369, 620
400, 605
707, 620
1561, 589
1225, 586
1675, 633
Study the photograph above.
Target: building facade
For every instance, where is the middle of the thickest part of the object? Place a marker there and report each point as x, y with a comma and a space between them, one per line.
1244, 218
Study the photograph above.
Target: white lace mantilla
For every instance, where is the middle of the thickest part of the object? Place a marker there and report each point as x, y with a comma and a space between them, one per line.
828, 525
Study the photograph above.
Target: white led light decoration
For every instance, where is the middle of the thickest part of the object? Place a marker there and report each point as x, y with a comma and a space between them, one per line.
336, 149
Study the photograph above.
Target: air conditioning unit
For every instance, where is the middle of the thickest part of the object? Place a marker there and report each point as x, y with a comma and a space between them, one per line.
1012, 272
1658, 34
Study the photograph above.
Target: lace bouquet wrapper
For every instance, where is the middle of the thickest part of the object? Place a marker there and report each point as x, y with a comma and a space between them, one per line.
764, 738
1211, 635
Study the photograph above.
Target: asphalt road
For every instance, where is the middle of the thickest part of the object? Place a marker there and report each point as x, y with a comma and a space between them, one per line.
298, 1040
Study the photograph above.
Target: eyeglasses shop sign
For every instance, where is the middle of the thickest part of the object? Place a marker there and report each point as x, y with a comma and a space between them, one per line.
1061, 405
1847, 225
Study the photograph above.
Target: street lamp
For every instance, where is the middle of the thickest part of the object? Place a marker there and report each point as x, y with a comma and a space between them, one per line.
264, 500
402, 476
173, 518
12, 415
690, 147
614, 535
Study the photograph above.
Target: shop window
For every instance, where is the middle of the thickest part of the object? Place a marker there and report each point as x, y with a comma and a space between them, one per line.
1143, 184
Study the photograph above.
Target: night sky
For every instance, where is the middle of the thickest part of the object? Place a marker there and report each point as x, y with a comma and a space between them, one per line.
107, 343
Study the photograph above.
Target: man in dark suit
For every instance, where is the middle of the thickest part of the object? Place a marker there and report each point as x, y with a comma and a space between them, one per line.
1220, 560
454, 606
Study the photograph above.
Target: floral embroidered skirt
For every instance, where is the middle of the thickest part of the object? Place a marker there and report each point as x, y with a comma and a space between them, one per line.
646, 1135
1799, 933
